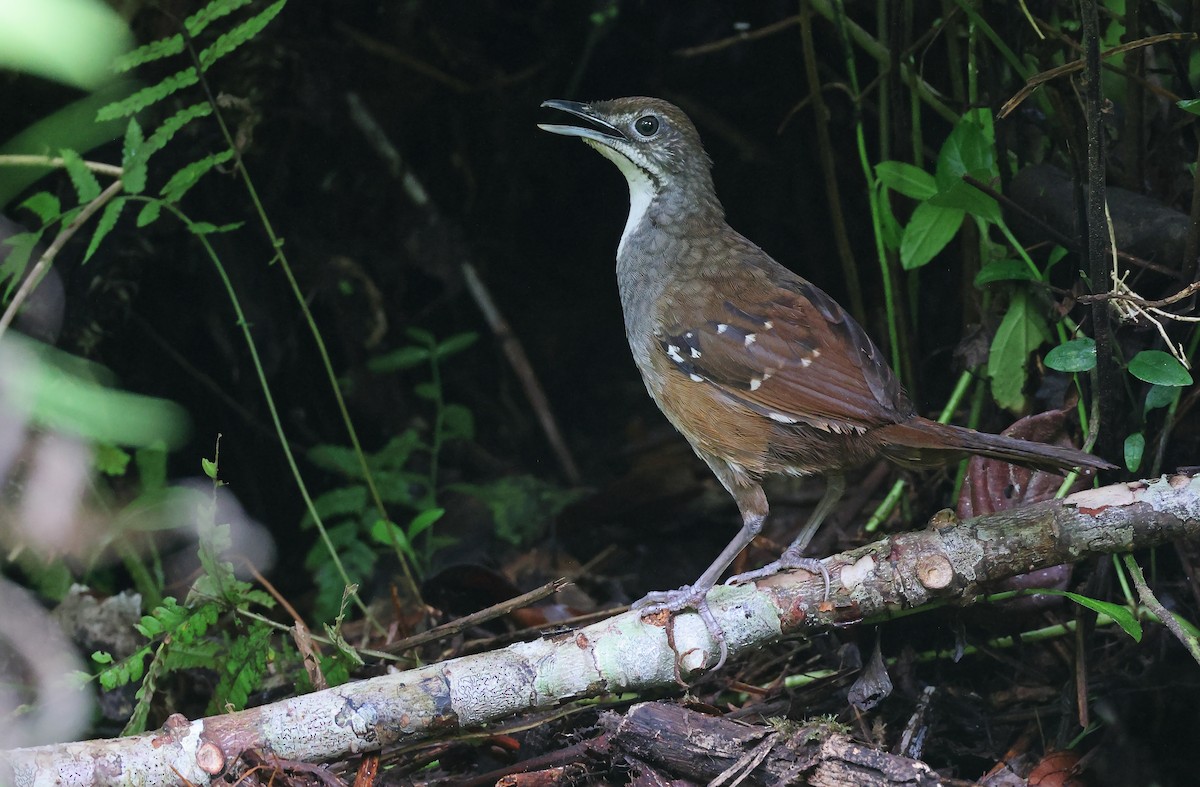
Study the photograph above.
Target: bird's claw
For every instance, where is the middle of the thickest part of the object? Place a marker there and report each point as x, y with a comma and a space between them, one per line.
788, 560
686, 597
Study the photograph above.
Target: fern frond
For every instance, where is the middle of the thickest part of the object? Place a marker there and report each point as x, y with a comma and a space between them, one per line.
239, 35
172, 125
133, 159
196, 23
87, 188
148, 53
12, 270
183, 180
108, 220
148, 96
45, 205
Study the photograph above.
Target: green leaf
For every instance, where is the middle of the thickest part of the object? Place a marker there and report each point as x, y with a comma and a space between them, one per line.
889, 228
87, 188
211, 12
149, 213
110, 460
965, 197
152, 467
1189, 105
148, 96
928, 231
423, 521
172, 125
1022, 330
1160, 396
455, 344
968, 149
421, 337
1135, 447
403, 358
133, 159
909, 180
1077, 355
458, 423
1120, 615
427, 391
209, 467
1003, 270
155, 50
183, 180
1160, 368
15, 259
105, 224
340, 502
207, 228
45, 205
239, 35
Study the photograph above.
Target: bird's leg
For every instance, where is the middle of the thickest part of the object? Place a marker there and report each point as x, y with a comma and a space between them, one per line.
753, 505
793, 557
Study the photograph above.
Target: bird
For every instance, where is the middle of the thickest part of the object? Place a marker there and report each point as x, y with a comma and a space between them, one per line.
759, 369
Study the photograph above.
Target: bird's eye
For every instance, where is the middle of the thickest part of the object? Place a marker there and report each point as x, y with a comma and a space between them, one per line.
646, 125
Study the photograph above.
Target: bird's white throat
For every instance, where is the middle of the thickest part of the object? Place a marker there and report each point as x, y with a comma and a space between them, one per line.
641, 190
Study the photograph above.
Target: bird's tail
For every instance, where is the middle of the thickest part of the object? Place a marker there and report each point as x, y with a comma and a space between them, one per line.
922, 440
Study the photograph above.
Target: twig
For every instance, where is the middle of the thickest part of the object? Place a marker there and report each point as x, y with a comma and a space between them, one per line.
23, 160
475, 618
34, 277
1037, 80
739, 38
1162, 613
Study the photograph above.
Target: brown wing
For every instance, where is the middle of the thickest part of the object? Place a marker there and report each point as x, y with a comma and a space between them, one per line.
791, 354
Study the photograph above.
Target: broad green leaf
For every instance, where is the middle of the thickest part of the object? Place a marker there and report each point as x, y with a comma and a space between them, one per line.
965, 197
1160, 368
967, 149
87, 188
889, 228
1189, 105
1160, 396
1135, 447
1077, 355
1021, 330
110, 460
927, 233
209, 467
1003, 270
108, 220
907, 179
403, 358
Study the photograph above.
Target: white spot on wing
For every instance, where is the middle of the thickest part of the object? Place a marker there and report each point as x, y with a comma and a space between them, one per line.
696, 378
673, 353
806, 362
768, 325
755, 383
781, 418
722, 327
695, 353
751, 338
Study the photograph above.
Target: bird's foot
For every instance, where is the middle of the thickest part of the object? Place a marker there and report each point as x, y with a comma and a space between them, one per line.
788, 560
686, 597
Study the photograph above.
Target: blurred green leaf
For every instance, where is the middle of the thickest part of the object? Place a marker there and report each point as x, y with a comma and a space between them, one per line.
1189, 105
455, 344
1160, 396
423, 521
458, 423
396, 360
68, 41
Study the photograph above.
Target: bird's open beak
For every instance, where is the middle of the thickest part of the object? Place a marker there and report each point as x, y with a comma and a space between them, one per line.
597, 128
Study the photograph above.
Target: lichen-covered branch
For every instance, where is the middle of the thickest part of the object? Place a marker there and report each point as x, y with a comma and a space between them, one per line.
625, 653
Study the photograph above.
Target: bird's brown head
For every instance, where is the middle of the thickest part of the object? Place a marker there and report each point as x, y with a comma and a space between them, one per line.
654, 145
